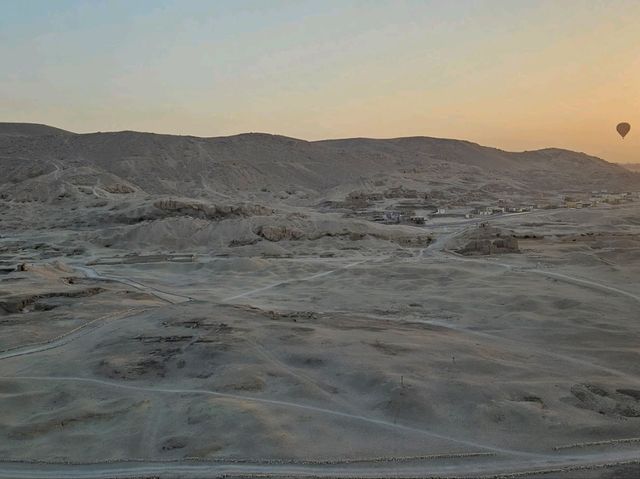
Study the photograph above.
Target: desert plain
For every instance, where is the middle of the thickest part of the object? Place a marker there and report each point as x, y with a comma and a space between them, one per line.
262, 306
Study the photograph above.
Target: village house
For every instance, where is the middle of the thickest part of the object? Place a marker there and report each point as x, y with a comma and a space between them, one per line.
392, 216
482, 211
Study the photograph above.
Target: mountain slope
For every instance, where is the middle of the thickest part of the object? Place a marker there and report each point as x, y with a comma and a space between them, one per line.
232, 166
30, 129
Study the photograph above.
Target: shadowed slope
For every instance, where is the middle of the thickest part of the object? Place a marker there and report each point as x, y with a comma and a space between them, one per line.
30, 129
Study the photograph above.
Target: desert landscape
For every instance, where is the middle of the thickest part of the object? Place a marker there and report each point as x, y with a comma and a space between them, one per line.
257, 305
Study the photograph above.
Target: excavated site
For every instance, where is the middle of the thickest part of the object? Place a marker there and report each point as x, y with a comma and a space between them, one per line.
264, 306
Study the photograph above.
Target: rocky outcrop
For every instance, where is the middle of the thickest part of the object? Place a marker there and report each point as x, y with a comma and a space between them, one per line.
489, 246
279, 233
197, 209
602, 400
26, 302
54, 268
402, 192
119, 189
487, 240
290, 233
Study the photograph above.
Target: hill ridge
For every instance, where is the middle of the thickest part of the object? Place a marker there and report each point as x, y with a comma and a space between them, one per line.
255, 134
247, 163
30, 129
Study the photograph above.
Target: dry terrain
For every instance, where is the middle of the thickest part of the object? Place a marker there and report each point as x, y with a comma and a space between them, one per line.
186, 307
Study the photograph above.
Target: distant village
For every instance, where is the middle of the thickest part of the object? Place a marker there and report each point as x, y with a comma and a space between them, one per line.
400, 205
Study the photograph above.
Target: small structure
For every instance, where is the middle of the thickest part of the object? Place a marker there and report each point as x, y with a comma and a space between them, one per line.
419, 220
520, 209
482, 211
392, 216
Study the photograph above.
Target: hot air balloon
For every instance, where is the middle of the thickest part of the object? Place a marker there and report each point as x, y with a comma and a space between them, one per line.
623, 129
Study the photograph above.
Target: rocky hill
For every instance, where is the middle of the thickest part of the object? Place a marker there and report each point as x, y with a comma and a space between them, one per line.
42, 163
30, 129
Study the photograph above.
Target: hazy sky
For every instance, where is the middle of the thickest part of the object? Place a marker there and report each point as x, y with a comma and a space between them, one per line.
514, 74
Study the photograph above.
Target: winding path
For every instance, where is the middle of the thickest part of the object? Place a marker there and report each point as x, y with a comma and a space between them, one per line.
67, 337
172, 298
273, 402
513, 462
200, 470
295, 280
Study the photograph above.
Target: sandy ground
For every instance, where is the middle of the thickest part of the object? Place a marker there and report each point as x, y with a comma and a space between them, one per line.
374, 360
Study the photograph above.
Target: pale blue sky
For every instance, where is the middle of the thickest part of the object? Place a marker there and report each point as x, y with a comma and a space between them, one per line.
515, 74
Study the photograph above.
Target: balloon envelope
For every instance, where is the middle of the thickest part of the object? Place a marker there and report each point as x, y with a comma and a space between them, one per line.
623, 129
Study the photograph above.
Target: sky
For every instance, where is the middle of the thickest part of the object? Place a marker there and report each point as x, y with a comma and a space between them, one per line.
514, 74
